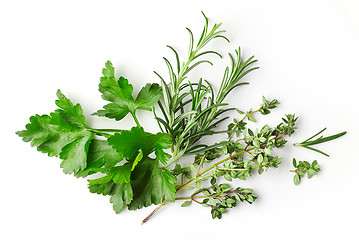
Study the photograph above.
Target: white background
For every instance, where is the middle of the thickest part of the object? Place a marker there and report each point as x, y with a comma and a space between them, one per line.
308, 53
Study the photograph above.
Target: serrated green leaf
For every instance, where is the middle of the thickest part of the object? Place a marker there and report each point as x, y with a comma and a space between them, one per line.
100, 187
162, 155
162, 141
121, 174
109, 70
63, 134
100, 158
101, 180
74, 154
151, 184
121, 196
148, 96
119, 93
114, 111
128, 143
70, 112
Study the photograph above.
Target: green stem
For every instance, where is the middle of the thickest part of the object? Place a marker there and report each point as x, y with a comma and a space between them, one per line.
99, 132
200, 164
222, 161
154, 211
246, 115
175, 157
135, 118
107, 130
211, 167
191, 197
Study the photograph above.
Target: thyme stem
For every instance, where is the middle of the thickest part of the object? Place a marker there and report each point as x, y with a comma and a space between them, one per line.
163, 203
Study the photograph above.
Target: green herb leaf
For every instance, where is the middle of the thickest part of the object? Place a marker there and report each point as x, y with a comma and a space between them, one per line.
100, 158
121, 174
296, 179
119, 93
151, 184
121, 196
186, 203
63, 134
148, 97
137, 159
129, 143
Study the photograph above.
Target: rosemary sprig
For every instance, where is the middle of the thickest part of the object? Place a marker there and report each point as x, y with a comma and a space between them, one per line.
191, 110
309, 142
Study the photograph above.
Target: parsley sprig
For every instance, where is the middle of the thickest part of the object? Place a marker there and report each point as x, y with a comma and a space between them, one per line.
138, 169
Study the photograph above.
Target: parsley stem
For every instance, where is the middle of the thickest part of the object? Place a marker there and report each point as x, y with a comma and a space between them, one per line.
107, 130
135, 118
99, 132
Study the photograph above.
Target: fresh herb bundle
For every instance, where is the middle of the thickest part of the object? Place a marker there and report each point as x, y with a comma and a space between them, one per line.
137, 168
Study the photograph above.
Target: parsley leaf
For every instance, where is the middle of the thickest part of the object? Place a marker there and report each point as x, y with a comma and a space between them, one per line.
63, 134
100, 158
128, 143
71, 113
119, 93
148, 96
119, 174
151, 184
104, 188
121, 194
